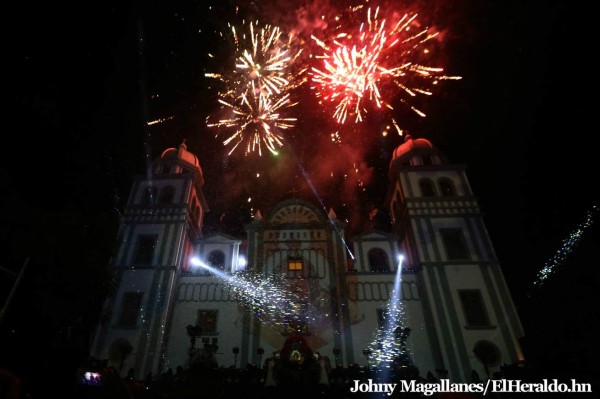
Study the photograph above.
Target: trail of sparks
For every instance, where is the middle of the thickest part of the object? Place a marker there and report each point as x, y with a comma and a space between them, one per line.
159, 121
266, 297
257, 90
389, 343
568, 244
357, 63
388, 346
273, 299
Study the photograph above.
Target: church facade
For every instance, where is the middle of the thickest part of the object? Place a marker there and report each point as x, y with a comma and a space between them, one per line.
431, 292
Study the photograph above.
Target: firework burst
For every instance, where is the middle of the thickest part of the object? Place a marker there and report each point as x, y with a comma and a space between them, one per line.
358, 62
257, 89
256, 121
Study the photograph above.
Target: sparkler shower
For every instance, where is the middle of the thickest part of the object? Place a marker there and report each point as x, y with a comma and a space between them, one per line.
272, 298
389, 342
277, 304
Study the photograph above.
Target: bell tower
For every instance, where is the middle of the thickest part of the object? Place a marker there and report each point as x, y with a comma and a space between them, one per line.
158, 228
472, 324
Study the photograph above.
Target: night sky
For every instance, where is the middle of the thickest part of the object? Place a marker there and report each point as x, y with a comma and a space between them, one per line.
85, 79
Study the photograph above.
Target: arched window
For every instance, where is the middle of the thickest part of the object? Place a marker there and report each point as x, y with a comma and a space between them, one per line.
427, 187
145, 249
447, 188
378, 260
476, 314
216, 259
149, 196
455, 243
166, 195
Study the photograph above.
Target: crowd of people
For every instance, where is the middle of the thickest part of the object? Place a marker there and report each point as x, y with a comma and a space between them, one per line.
276, 378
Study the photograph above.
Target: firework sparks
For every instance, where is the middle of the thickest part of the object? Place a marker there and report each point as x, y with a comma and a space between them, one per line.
275, 300
159, 121
389, 343
269, 298
356, 65
257, 89
256, 121
568, 245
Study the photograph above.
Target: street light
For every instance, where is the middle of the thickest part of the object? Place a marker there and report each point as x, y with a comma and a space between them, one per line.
260, 352
235, 351
193, 332
336, 353
367, 353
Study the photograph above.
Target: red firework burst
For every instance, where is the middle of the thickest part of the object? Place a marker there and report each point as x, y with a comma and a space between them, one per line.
359, 61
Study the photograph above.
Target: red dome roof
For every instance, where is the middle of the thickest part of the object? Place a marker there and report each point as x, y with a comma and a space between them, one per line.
181, 154
411, 145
